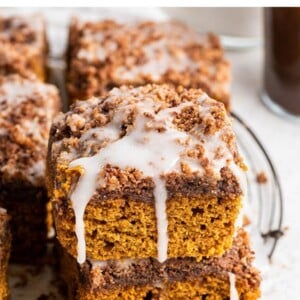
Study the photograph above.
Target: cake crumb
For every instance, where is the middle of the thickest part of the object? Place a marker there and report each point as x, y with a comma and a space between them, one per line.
246, 221
261, 177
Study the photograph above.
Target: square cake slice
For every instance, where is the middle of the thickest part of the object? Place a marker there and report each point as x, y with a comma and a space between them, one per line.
145, 172
107, 54
23, 45
27, 108
230, 276
5, 241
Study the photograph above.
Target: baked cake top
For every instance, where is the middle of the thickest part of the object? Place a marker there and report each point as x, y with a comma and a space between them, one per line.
149, 141
27, 30
151, 52
27, 108
21, 38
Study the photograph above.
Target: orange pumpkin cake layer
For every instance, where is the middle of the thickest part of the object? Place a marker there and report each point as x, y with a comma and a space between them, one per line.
145, 172
230, 276
5, 241
23, 46
107, 54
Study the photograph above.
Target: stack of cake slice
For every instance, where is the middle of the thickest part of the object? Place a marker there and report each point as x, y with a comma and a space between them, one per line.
107, 54
147, 186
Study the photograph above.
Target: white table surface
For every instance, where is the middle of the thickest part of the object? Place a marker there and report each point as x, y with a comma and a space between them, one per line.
280, 137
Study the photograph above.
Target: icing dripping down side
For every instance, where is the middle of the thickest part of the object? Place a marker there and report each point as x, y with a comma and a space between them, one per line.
233, 290
160, 194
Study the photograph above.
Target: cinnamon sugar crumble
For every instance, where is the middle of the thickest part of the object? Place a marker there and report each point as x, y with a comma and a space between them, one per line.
26, 111
107, 54
21, 29
209, 144
23, 42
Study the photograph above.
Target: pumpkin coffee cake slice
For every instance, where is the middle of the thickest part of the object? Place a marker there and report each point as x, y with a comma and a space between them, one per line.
107, 54
145, 172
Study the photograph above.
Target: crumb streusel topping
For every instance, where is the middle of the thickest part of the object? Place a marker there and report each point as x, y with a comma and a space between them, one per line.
27, 108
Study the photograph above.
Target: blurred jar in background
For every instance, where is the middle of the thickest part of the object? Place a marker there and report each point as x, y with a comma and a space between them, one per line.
239, 28
282, 60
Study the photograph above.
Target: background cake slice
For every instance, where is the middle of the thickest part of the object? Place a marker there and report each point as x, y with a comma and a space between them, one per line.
145, 172
107, 54
5, 241
230, 276
23, 45
27, 108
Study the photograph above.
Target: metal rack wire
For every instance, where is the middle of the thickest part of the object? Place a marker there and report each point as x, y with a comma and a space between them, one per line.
264, 200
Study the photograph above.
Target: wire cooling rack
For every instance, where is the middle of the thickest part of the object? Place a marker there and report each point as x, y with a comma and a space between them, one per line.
264, 201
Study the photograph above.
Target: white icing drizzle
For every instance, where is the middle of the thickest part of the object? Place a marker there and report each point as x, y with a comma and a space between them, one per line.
93, 53
234, 295
159, 61
14, 90
160, 194
154, 153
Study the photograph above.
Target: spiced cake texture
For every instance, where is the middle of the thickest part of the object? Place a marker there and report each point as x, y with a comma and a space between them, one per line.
27, 108
107, 54
177, 278
23, 45
145, 172
5, 241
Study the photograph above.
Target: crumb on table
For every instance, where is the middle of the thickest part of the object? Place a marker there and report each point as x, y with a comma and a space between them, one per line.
261, 177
